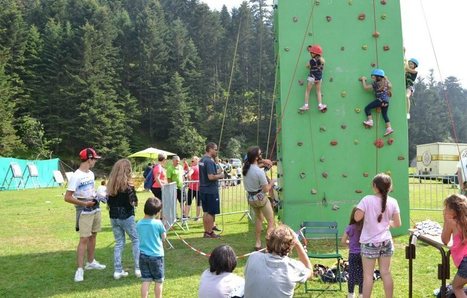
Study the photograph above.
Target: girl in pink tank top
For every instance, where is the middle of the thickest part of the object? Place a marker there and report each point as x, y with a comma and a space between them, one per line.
455, 225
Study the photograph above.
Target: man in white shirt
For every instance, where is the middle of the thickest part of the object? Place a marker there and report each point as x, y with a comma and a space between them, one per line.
81, 193
462, 172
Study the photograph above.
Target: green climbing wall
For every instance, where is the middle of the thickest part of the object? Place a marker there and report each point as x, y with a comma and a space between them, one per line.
327, 160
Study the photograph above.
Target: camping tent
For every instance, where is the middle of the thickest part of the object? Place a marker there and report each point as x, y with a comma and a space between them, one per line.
151, 153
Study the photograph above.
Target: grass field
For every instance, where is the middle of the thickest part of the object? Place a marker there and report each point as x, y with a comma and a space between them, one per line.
38, 244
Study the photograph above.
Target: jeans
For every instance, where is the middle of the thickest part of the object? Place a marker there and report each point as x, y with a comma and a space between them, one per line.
119, 227
378, 104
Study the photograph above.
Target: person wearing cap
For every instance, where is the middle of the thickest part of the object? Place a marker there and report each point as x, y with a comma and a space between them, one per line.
82, 194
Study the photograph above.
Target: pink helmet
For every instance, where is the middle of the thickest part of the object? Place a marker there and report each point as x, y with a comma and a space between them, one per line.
315, 49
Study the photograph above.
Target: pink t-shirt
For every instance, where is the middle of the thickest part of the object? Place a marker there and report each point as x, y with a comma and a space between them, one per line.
374, 231
158, 172
194, 177
458, 249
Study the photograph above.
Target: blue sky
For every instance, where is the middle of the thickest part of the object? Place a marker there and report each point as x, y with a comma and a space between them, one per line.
447, 22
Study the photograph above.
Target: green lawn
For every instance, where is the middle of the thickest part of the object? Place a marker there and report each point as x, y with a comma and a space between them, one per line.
38, 245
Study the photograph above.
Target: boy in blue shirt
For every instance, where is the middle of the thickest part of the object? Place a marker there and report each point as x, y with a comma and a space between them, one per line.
151, 233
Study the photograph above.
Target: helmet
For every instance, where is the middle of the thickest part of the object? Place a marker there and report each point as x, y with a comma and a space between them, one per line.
315, 49
414, 61
377, 72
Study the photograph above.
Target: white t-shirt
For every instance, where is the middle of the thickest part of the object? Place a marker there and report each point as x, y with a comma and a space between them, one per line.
374, 231
224, 285
254, 179
462, 166
273, 276
82, 186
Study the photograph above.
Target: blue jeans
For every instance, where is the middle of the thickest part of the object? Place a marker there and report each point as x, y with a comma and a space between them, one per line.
119, 227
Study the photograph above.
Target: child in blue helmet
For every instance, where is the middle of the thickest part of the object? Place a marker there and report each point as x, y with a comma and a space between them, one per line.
316, 65
410, 76
382, 88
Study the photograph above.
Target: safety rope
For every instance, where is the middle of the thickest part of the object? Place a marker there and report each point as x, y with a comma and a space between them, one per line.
230, 84
273, 100
377, 118
279, 125
200, 252
445, 95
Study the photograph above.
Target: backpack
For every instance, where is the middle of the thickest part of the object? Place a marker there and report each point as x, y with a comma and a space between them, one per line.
149, 180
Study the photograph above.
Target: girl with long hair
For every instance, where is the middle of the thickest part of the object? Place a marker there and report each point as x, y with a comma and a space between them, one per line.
351, 238
257, 186
455, 226
122, 201
379, 212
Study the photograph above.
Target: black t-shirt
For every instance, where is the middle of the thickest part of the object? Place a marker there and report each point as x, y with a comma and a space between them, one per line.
207, 166
121, 206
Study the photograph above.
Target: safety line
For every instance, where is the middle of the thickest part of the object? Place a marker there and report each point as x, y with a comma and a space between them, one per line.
200, 252
271, 114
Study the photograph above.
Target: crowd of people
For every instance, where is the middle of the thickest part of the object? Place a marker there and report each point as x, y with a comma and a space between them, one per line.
269, 271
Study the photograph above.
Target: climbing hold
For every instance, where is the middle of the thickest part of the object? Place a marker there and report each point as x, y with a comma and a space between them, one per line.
390, 141
310, 33
361, 16
349, 2
333, 142
302, 175
322, 129
321, 159
383, 16
358, 110
364, 47
345, 175
373, 64
358, 191
301, 82
383, 2
342, 48
328, 18
314, 191
379, 143
365, 174
286, 49
295, 19
389, 173
401, 157
300, 143
324, 174
335, 207
376, 34
317, 2
324, 201
386, 48
343, 126
343, 93
356, 142
331, 79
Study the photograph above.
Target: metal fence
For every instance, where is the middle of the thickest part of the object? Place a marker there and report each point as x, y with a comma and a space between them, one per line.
427, 192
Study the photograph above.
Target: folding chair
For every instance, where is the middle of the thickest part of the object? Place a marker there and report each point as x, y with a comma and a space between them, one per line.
323, 243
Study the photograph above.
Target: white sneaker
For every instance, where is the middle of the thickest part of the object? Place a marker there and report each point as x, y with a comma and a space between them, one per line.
94, 265
408, 116
138, 273
79, 275
118, 275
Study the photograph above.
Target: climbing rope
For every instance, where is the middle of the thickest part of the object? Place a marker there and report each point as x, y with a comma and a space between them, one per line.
200, 252
273, 100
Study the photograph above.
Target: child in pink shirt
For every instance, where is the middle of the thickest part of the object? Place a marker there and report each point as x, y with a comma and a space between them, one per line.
379, 212
455, 225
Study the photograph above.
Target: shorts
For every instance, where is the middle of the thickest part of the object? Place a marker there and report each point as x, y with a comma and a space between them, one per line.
376, 250
462, 270
89, 223
312, 80
193, 194
210, 203
265, 210
152, 268
179, 195
157, 192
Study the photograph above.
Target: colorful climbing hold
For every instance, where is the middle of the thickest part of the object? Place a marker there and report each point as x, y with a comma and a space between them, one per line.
386, 48
357, 110
361, 16
383, 2
331, 79
373, 64
376, 34
364, 47
333, 142
343, 93
379, 143
356, 142
390, 141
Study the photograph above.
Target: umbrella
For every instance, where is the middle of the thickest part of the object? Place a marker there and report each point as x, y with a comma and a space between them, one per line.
151, 153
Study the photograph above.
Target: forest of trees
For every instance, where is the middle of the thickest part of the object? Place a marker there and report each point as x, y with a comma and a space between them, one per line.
122, 75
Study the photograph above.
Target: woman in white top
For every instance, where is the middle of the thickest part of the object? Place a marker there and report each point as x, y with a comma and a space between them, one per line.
218, 281
257, 186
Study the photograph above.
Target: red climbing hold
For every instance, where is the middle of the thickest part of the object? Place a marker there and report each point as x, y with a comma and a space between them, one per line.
383, 2
379, 143
334, 142
390, 141
376, 34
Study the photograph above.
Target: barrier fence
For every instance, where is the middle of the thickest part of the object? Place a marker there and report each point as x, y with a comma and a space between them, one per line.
427, 192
